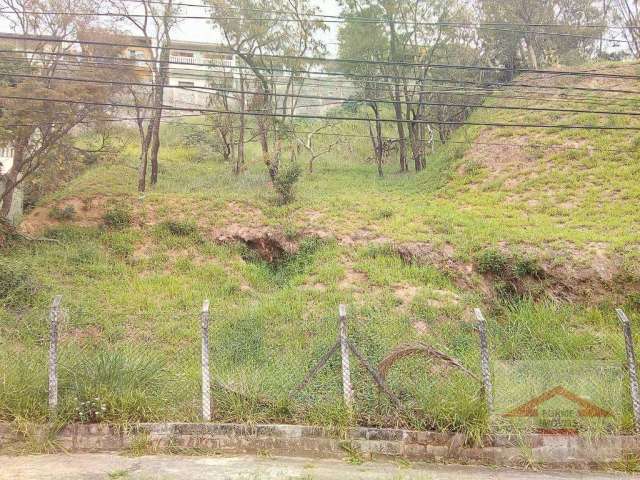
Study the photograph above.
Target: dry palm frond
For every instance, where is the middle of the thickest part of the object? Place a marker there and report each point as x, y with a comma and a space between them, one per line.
420, 348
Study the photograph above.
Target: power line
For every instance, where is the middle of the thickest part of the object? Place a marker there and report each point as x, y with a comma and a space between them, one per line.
325, 133
332, 98
61, 66
337, 118
351, 60
341, 74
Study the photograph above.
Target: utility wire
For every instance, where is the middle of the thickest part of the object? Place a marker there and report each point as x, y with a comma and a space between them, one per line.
326, 117
319, 97
313, 59
321, 133
367, 78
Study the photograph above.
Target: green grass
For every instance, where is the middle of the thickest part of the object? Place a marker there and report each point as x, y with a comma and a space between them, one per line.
132, 288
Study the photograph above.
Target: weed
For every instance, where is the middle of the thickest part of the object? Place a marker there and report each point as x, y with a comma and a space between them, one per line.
17, 285
630, 463
117, 217
124, 382
354, 455
263, 453
527, 266
492, 261
90, 411
140, 445
384, 213
180, 228
118, 474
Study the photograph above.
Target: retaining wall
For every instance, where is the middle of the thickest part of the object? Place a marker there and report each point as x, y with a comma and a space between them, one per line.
291, 440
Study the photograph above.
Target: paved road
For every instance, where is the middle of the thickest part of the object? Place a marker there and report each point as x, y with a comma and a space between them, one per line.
114, 466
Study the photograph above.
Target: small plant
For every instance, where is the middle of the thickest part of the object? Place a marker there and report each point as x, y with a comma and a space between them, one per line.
354, 455
62, 214
492, 261
119, 474
139, 445
90, 411
285, 181
180, 228
17, 286
527, 267
384, 213
630, 463
117, 217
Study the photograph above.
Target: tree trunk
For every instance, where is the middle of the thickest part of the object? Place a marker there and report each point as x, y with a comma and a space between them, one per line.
240, 157
11, 178
531, 52
377, 139
159, 97
397, 106
145, 140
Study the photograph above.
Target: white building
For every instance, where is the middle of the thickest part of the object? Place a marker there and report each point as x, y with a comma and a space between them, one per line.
196, 65
6, 159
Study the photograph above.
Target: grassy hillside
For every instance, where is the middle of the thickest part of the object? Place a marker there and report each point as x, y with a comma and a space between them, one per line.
538, 226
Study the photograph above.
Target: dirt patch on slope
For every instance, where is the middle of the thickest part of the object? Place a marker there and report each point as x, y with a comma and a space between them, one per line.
271, 245
88, 213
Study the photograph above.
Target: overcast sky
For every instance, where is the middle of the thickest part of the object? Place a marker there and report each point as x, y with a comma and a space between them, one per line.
202, 31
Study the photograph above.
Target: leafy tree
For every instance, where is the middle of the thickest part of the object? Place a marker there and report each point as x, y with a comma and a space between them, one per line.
261, 34
41, 104
523, 40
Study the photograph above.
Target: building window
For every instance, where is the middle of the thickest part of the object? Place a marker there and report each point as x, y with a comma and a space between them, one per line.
184, 54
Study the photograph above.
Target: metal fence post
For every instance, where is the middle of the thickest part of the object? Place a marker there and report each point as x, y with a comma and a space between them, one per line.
346, 369
631, 362
206, 381
484, 359
54, 316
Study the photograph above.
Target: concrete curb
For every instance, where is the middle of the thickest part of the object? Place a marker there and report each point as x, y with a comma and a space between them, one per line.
567, 451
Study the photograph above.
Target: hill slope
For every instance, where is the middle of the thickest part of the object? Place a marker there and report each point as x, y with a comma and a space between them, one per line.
519, 220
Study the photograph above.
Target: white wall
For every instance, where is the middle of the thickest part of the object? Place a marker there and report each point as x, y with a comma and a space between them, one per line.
6, 159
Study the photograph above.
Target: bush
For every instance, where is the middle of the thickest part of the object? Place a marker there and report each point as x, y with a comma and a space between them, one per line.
527, 267
180, 228
62, 214
285, 182
17, 286
117, 217
492, 261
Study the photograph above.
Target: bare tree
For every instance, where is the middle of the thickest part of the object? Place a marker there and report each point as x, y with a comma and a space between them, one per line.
154, 21
266, 45
308, 144
628, 13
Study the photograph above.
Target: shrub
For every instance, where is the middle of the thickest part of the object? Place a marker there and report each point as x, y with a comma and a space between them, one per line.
492, 261
17, 286
527, 267
384, 213
180, 228
285, 181
62, 214
117, 217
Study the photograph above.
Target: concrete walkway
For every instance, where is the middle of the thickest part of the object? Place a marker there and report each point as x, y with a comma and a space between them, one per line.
114, 466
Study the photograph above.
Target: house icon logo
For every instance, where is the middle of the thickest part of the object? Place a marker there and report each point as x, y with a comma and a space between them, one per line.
532, 407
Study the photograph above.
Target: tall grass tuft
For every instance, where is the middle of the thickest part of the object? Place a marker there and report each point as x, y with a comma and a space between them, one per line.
128, 383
